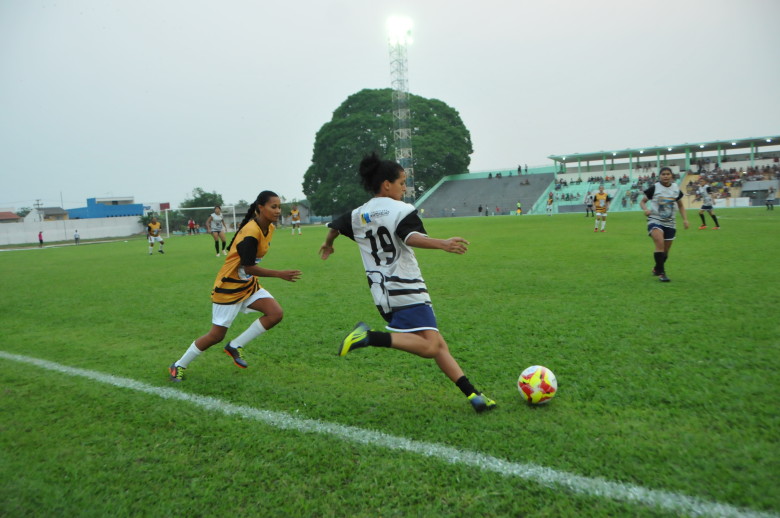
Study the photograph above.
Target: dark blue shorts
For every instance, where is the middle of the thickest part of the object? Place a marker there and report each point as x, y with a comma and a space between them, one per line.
415, 318
669, 232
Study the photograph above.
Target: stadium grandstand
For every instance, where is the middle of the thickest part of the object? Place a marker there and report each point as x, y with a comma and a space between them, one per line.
741, 170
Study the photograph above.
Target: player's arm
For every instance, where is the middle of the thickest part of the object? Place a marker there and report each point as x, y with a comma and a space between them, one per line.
208, 224
682, 211
287, 275
326, 250
340, 225
453, 245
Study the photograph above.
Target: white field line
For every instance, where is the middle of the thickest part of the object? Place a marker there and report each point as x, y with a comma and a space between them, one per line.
591, 487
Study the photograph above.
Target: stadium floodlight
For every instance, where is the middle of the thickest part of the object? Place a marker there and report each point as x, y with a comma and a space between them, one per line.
399, 30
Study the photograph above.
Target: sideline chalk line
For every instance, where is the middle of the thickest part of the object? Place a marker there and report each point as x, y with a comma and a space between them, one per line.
547, 477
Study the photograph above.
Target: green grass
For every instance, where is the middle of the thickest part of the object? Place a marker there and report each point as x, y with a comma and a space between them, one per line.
671, 387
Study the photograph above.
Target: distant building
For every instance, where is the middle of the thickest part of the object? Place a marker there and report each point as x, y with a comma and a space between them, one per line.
10, 217
107, 208
47, 214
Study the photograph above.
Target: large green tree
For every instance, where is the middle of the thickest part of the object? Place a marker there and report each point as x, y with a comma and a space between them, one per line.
441, 146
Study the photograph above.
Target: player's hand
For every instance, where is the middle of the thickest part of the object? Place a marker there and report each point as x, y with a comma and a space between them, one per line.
326, 251
456, 245
290, 275
685, 224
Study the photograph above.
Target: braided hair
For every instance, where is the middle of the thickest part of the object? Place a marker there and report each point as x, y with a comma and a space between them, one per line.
261, 200
374, 171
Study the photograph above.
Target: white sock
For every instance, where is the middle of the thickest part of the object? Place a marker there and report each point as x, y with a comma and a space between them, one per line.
603, 224
252, 332
192, 353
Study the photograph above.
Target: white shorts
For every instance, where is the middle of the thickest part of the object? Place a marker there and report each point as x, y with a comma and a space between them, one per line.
603, 214
224, 314
155, 239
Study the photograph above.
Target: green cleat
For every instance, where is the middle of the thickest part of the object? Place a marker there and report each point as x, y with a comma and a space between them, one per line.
481, 402
356, 338
176, 372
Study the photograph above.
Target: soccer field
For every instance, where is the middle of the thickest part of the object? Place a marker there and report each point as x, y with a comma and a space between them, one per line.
668, 397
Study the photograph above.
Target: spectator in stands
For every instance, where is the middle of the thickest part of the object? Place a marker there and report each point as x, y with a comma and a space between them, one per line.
601, 203
770, 199
661, 224
705, 193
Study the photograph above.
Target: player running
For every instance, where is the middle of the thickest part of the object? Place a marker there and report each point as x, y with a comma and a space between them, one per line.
386, 229
705, 193
660, 218
236, 289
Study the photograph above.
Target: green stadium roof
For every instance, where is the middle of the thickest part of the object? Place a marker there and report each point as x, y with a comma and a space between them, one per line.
752, 144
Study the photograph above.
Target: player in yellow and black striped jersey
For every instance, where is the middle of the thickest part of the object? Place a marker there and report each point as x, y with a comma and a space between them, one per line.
236, 289
601, 201
295, 219
153, 235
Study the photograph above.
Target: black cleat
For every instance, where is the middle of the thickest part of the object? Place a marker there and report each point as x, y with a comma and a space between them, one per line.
238, 359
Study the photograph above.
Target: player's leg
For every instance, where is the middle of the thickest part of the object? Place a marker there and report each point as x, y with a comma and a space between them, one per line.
215, 235
715, 219
703, 222
224, 243
215, 335
604, 222
261, 302
160, 249
659, 250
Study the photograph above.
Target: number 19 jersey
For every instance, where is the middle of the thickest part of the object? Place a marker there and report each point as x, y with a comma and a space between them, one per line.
380, 227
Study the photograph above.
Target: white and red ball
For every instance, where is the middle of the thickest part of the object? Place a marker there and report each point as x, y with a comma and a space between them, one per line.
537, 384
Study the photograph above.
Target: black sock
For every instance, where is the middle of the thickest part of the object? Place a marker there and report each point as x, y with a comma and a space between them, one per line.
659, 262
702, 219
379, 339
216, 246
715, 219
663, 264
223, 245
465, 386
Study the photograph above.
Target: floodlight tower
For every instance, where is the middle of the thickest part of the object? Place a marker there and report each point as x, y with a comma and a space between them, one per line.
399, 30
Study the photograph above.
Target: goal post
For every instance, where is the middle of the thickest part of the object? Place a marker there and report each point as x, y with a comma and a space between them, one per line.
228, 212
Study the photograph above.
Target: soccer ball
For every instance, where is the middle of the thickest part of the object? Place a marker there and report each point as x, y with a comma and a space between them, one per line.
537, 385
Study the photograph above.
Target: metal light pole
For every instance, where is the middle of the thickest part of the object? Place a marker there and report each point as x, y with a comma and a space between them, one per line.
399, 31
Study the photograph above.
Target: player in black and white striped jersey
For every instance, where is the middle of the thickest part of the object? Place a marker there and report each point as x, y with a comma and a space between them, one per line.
386, 229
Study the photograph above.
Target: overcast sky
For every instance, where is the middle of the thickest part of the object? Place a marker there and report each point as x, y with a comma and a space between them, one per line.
153, 98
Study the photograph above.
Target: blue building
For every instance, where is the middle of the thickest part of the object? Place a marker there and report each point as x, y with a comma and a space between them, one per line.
107, 208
